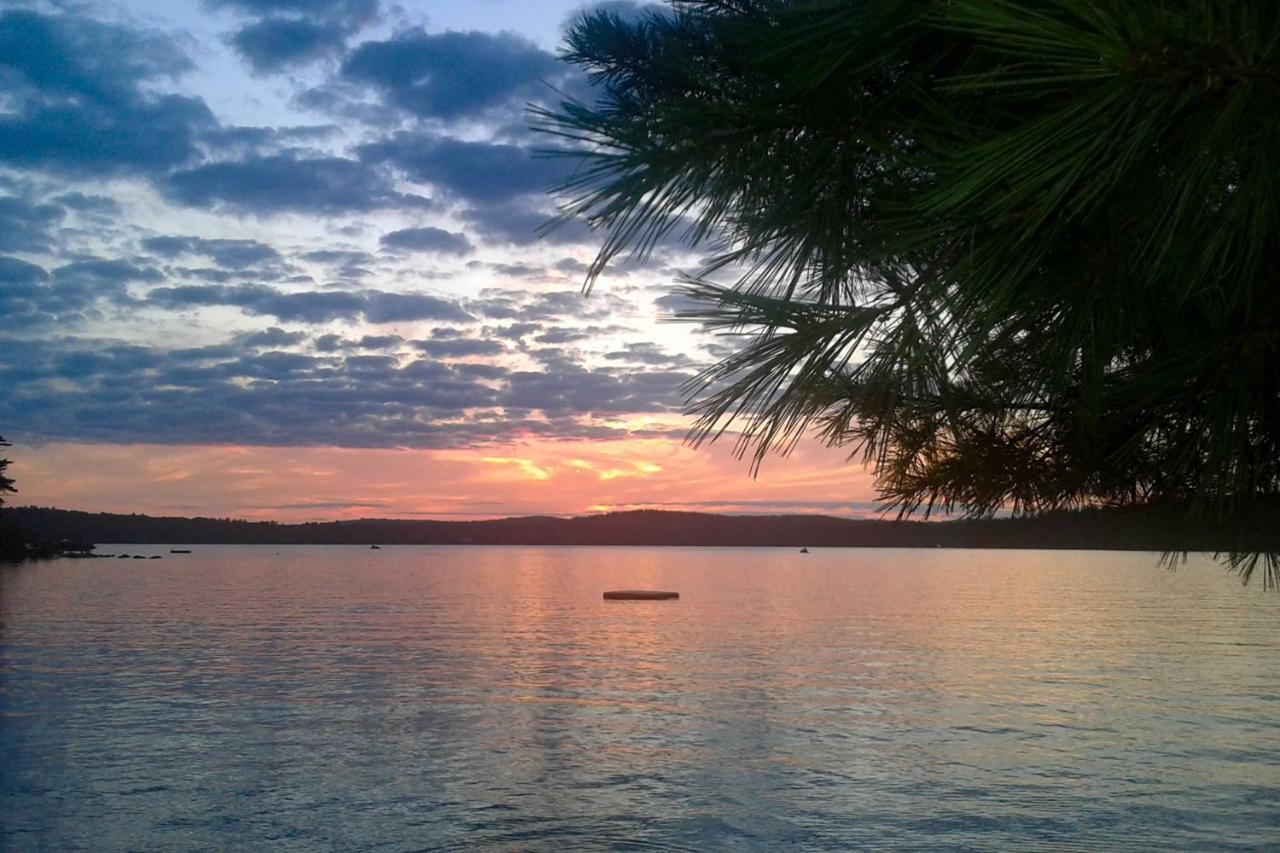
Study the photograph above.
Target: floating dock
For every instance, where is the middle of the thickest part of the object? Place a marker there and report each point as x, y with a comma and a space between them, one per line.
639, 595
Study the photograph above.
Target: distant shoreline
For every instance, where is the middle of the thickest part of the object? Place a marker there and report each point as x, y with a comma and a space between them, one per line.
1136, 529
813, 549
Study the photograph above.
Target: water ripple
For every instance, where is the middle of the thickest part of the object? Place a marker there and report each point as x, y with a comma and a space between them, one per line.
486, 698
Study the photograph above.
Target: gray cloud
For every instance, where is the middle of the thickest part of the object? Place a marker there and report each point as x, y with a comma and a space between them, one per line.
272, 336
15, 271
243, 141
272, 44
340, 257
647, 353
236, 254
520, 222
561, 336
374, 306
475, 172
284, 182
84, 98
239, 393
350, 12
24, 225
427, 240
460, 347
30, 297
563, 388
103, 271
452, 74
77, 101
92, 204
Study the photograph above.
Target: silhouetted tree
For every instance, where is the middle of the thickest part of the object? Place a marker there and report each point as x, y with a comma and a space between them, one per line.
6, 483
1017, 254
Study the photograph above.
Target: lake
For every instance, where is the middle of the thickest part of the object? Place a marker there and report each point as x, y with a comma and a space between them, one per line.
430, 698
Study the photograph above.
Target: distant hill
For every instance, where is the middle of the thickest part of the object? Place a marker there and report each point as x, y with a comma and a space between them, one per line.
1145, 529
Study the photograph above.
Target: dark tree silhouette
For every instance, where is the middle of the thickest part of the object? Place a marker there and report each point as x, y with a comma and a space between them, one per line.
1016, 254
6, 483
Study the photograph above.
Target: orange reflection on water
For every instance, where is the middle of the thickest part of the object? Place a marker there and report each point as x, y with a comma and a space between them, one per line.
836, 685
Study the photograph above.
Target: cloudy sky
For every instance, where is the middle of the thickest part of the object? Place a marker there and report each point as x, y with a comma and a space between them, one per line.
277, 259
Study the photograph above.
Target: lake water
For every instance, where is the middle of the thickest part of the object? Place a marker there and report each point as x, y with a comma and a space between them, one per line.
328, 698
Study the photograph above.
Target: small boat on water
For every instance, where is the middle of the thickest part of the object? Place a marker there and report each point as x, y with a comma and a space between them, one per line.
804, 550
639, 595
375, 547
179, 550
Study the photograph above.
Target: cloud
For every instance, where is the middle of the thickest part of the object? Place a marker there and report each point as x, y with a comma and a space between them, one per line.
92, 204
106, 272
517, 331
79, 101
64, 57
627, 10
272, 44
405, 307
460, 347
561, 336
647, 353
427, 240
453, 74
130, 394
340, 257
571, 266
520, 222
518, 270
236, 254
677, 304
379, 342
84, 104
284, 182
245, 392
245, 140
349, 12
24, 226
272, 337
475, 172
15, 271
548, 305
374, 306
564, 388
499, 304
31, 297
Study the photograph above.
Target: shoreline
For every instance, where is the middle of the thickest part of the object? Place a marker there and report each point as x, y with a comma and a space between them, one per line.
1160, 530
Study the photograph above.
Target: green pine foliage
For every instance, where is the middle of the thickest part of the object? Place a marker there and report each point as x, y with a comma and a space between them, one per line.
1015, 254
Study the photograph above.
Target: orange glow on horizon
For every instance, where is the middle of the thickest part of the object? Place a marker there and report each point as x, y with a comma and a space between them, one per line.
533, 477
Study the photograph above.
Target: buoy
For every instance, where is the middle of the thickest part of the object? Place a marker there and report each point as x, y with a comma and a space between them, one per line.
639, 595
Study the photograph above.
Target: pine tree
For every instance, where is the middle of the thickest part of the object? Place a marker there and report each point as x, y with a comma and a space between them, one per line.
1017, 255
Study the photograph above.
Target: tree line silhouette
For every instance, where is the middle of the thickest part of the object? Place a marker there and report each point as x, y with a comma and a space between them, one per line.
1150, 528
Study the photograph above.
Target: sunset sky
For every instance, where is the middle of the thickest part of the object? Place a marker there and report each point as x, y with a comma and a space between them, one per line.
276, 259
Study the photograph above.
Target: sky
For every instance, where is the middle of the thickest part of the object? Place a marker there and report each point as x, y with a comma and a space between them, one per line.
278, 259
